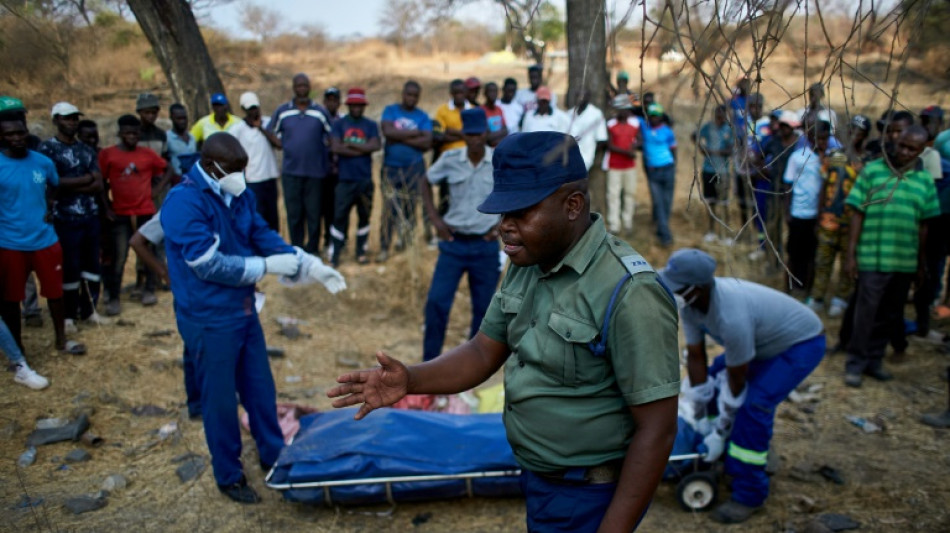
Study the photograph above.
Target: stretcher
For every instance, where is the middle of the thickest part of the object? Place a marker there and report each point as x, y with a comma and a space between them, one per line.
394, 456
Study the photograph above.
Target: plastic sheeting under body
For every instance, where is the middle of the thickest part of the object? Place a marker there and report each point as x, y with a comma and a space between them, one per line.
390, 443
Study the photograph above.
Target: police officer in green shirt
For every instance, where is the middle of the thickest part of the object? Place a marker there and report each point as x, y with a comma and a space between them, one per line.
587, 335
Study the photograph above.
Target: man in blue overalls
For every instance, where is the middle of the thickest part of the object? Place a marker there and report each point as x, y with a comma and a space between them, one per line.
772, 343
218, 248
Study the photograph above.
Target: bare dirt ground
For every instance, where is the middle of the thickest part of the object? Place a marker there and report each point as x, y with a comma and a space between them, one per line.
893, 480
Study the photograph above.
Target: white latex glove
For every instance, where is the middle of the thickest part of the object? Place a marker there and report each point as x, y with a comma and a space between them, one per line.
713, 446
282, 264
330, 278
704, 426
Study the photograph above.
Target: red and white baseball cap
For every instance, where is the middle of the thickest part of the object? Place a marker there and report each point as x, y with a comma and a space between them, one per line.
355, 96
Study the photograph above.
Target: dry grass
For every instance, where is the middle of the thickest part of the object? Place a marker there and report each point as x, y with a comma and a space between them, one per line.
893, 480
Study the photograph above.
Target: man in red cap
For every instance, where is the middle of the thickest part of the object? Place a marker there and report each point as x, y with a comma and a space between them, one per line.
353, 139
472, 86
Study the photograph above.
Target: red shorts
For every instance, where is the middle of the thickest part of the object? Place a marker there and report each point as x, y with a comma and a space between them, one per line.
15, 267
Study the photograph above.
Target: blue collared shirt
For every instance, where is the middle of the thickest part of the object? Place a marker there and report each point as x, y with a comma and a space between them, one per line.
305, 136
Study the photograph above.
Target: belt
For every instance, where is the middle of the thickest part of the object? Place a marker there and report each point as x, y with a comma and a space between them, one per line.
601, 474
469, 236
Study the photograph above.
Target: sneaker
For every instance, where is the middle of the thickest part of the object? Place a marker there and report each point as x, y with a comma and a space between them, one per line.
932, 337
815, 305
879, 374
240, 492
733, 512
113, 307
852, 380
937, 420
27, 376
710, 237
148, 298
757, 255
97, 320
838, 307
69, 325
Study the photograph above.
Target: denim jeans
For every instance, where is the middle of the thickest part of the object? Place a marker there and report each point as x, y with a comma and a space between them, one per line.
8, 345
400, 188
662, 181
479, 259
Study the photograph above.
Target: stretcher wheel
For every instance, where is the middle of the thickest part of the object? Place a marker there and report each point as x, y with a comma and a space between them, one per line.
697, 492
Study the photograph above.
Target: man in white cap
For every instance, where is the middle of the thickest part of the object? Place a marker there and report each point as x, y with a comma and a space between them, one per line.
262, 172
76, 215
772, 343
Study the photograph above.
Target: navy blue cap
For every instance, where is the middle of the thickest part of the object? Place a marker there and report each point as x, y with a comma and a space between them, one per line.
529, 167
688, 266
219, 98
474, 121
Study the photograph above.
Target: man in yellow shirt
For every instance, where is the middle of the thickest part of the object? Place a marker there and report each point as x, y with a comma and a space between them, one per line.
220, 119
449, 116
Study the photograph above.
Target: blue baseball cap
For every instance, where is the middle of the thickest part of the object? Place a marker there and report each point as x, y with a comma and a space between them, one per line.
474, 121
219, 99
688, 266
529, 167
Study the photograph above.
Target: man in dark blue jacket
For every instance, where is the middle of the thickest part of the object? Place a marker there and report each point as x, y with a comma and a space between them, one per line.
218, 248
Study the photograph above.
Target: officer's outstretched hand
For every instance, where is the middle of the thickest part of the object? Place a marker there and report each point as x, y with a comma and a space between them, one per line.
373, 388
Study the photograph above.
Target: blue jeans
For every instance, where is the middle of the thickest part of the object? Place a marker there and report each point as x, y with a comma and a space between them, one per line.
662, 181
8, 345
232, 358
769, 383
477, 257
400, 188
553, 507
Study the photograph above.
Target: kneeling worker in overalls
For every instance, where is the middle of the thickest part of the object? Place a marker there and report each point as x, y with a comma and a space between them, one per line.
772, 343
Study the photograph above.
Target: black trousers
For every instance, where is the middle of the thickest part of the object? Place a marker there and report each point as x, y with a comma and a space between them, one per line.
303, 198
938, 234
802, 245
350, 194
265, 193
877, 317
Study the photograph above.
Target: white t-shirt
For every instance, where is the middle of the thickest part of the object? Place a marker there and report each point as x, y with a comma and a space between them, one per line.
750, 321
588, 129
556, 121
804, 173
512, 112
261, 160
152, 230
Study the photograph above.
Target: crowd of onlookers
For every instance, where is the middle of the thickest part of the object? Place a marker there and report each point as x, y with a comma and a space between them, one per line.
72, 209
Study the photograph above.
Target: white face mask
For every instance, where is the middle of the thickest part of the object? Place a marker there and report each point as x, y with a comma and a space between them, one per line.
232, 183
682, 302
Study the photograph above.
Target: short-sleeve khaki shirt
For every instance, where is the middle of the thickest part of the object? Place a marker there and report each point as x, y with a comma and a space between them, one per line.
564, 406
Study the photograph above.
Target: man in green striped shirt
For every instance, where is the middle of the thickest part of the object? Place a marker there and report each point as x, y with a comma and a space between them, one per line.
892, 199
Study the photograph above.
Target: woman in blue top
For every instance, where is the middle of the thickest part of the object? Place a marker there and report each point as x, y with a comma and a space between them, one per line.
659, 151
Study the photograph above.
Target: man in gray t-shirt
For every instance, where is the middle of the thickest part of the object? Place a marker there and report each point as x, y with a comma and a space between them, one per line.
772, 343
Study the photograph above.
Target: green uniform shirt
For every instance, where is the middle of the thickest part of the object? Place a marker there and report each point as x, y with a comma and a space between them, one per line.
893, 209
565, 407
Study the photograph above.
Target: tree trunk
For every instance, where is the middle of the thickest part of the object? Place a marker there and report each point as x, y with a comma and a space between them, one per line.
587, 50
172, 30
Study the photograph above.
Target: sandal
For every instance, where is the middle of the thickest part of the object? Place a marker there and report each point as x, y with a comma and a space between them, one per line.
74, 348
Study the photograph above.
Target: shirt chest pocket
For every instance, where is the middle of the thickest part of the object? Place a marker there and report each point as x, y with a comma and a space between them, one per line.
568, 355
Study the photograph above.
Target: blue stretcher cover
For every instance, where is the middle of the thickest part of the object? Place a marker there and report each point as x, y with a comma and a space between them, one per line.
332, 447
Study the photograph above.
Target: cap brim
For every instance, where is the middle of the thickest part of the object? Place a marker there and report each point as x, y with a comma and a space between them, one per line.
500, 202
674, 286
